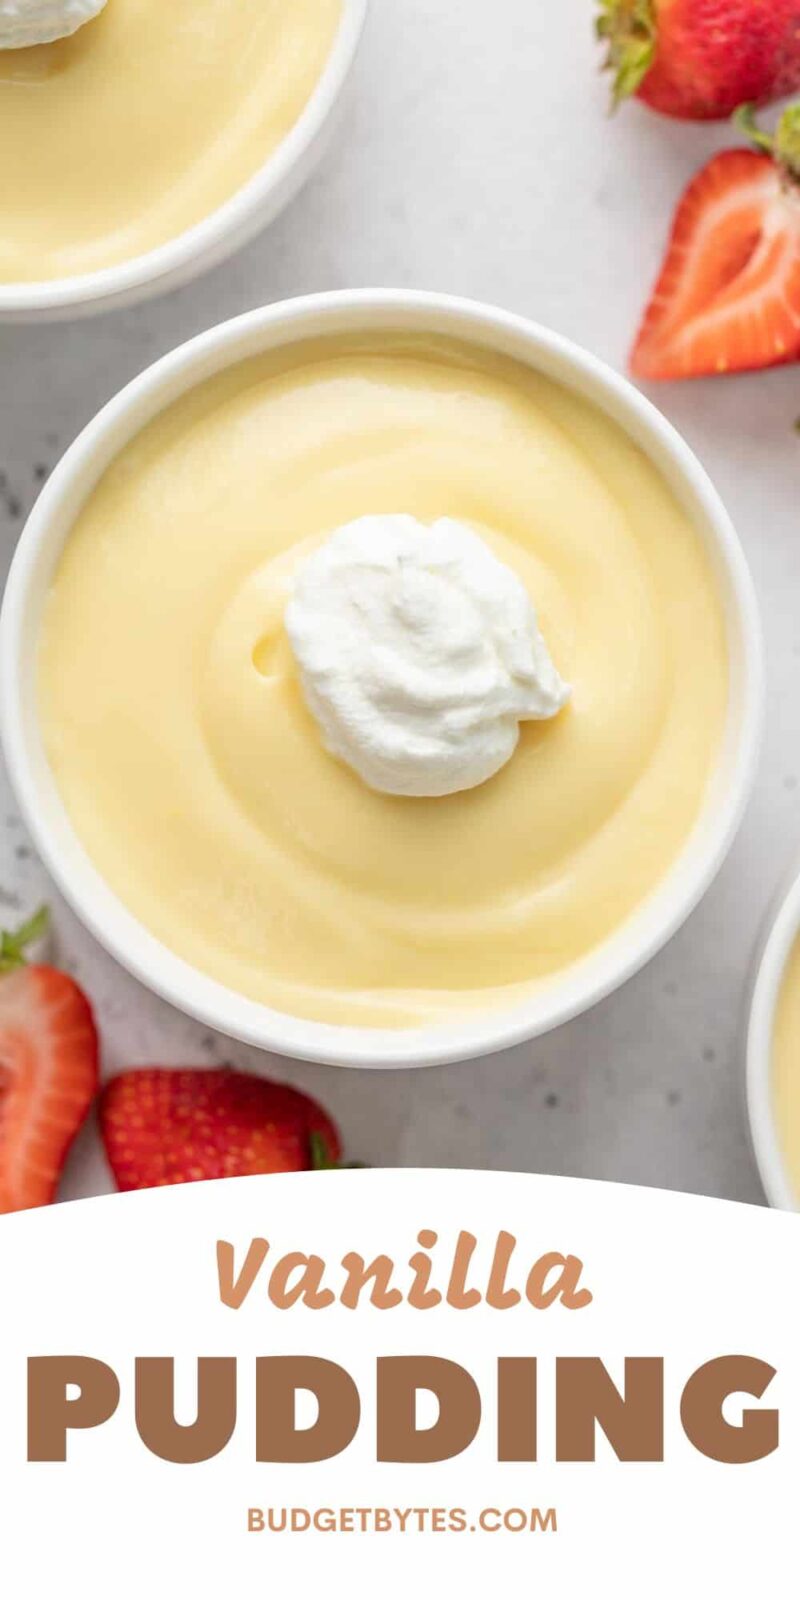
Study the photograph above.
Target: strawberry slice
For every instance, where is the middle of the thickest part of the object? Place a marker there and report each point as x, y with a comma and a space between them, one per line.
164, 1126
728, 297
48, 1070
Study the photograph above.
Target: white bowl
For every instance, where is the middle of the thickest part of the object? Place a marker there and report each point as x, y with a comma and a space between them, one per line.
775, 950
228, 228
38, 552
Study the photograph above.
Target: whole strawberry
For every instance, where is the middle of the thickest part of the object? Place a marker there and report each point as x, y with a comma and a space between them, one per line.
700, 59
162, 1127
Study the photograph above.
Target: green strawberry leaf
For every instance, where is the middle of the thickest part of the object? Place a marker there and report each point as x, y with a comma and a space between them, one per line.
14, 945
628, 27
321, 1157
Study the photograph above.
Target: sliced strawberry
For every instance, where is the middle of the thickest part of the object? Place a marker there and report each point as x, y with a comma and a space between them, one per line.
163, 1127
48, 1071
728, 297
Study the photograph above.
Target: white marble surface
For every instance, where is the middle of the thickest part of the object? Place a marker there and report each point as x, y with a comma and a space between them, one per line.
477, 158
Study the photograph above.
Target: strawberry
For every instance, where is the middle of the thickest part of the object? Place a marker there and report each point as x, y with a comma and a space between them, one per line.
728, 297
700, 59
48, 1071
161, 1127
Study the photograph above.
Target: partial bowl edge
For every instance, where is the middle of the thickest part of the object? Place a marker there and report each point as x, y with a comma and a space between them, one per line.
227, 229
779, 935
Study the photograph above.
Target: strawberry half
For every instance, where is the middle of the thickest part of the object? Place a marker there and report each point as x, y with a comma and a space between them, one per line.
48, 1071
163, 1127
700, 59
728, 297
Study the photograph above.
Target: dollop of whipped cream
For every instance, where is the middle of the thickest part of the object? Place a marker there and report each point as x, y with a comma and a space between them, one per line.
419, 654
28, 22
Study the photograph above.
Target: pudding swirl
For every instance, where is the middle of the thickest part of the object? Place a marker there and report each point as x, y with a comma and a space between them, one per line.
194, 772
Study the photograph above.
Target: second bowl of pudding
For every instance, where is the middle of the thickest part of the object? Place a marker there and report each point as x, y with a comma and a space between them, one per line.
147, 144
773, 1054
202, 780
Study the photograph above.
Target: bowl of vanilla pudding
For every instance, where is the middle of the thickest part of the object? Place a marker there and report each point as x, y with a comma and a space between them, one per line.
381, 679
773, 1054
142, 141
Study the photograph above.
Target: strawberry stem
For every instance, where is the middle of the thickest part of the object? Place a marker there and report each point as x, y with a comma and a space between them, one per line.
320, 1157
628, 27
787, 141
320, 1154
14, 945
783, 145
744, 118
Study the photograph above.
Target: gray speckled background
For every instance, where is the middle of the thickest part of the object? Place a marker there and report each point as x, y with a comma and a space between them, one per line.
477, 158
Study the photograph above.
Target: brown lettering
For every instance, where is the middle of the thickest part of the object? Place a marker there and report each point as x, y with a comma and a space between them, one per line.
155, 1409
758, 1433
497, 1295
399, 1379
379, 1272
51, 1412
308, 1287
419, 1295
233, 1291
586, 1395
565, 1287
458, 1295
516, 1409
278, 1379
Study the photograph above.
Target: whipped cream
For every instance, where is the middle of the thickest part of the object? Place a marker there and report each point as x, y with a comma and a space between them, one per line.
419, 654
28, 22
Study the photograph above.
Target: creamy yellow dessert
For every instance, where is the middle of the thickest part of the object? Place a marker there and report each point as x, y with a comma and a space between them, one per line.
117, 139
786, 1068
190, 763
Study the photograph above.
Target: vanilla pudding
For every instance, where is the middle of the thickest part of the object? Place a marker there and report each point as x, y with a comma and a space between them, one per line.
121, 136
786, 1069
190, 763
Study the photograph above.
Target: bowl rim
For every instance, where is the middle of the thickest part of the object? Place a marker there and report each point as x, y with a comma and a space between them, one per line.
606, 968
225, 229
775, 949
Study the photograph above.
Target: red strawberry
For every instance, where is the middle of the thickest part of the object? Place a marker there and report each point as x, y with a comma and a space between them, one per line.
701, 59
728, 297
162, 1127
48, 1071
